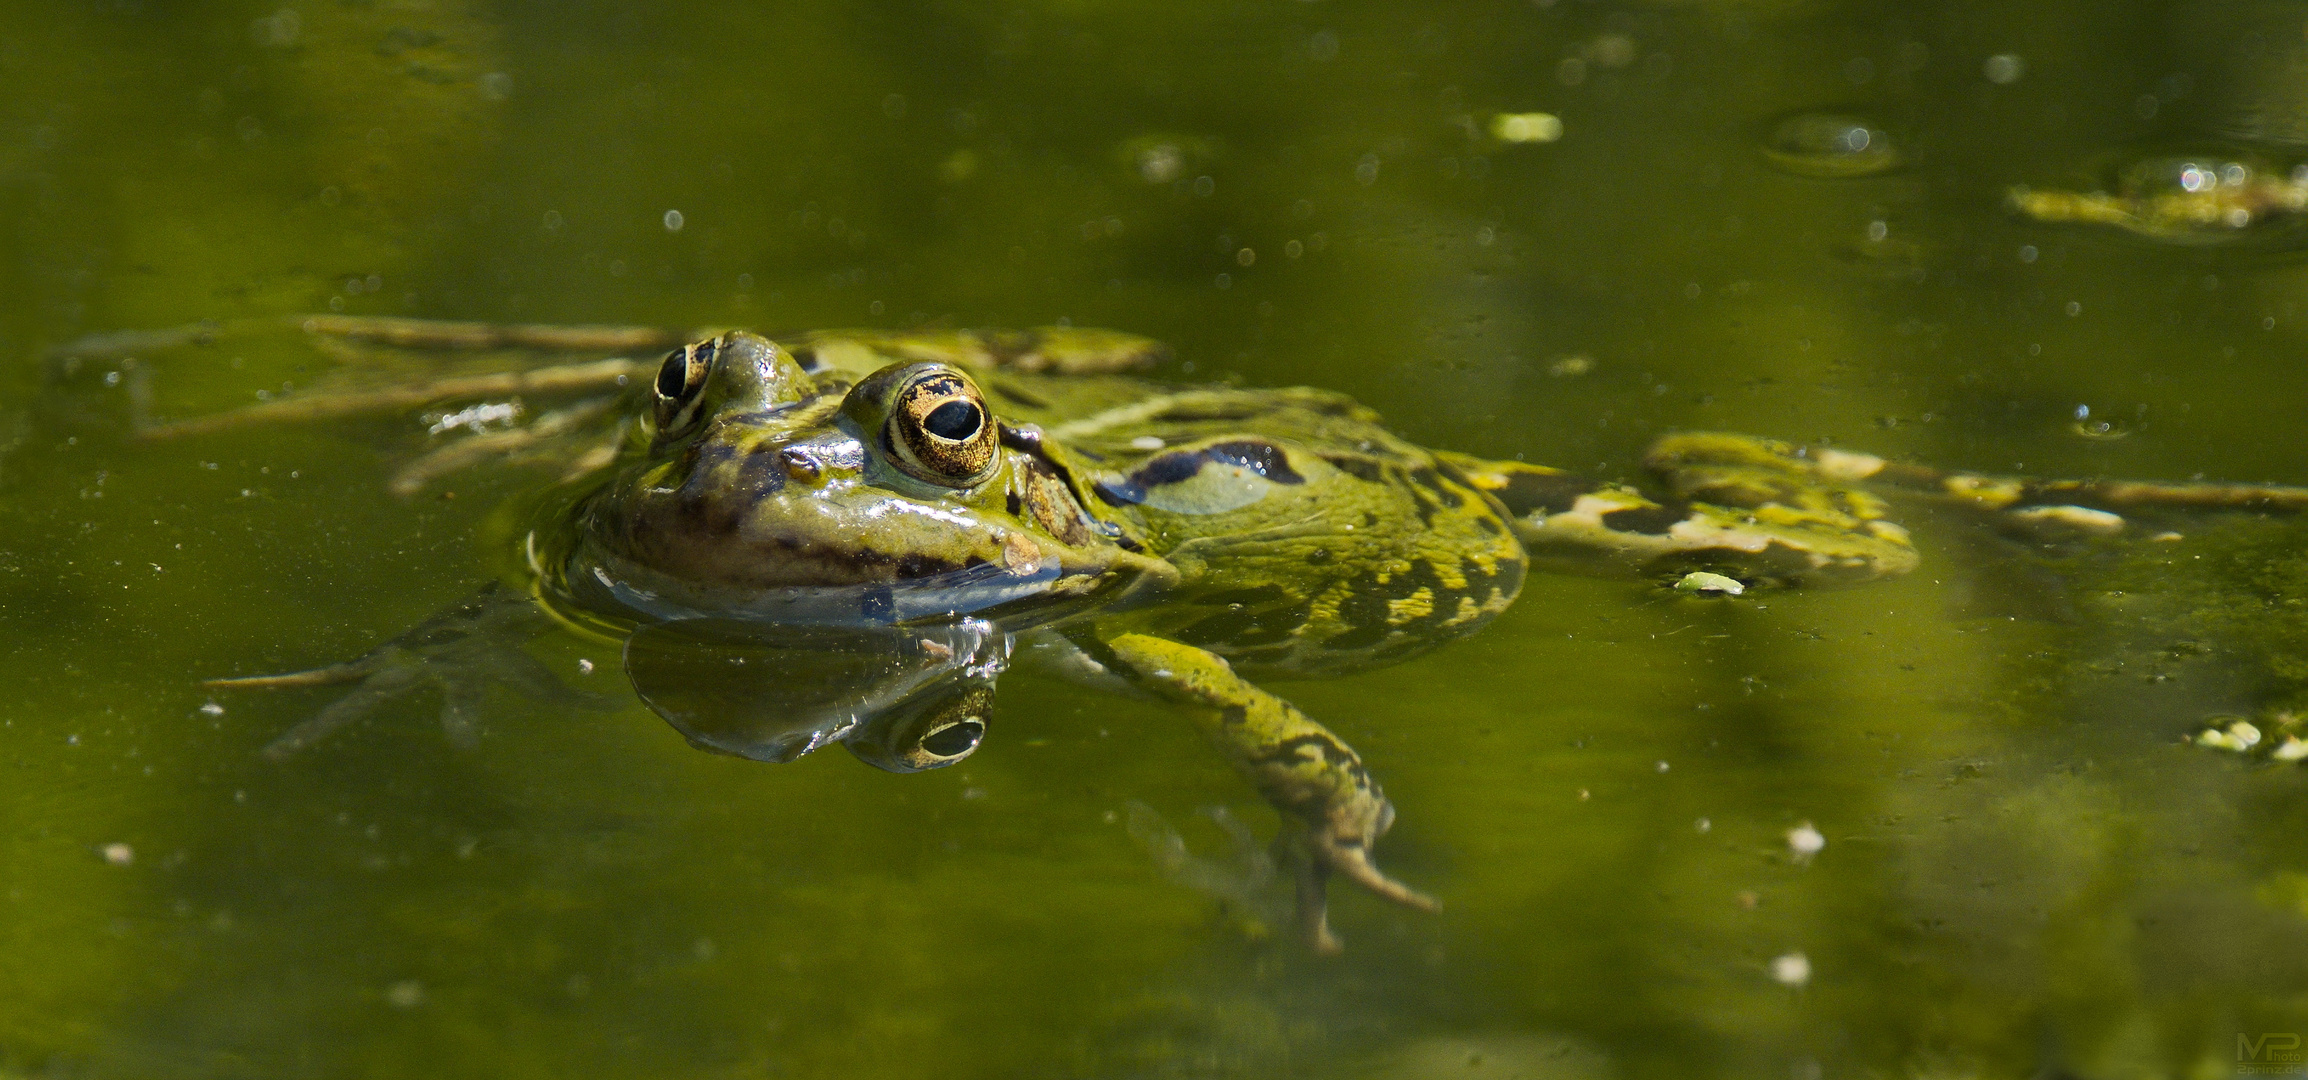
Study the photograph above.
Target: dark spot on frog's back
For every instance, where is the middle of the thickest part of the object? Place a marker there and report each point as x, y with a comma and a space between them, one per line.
1432, 481
1361, 468
1654, 520
1554, 493
1265, 459
1178, 466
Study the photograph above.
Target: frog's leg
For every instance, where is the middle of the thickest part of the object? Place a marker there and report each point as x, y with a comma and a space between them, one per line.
1057, 350
1772, 521
559, 379
549, 428
381, 330
462, 652
573, 355
2092, 506
1304, 771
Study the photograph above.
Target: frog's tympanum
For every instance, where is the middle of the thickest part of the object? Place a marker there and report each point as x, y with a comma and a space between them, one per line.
847, 537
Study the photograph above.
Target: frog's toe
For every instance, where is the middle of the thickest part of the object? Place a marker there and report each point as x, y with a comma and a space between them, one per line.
1324, 854
381, 685
1351, 858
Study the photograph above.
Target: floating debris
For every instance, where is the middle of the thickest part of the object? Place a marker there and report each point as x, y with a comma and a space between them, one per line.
1830, 145
2240, 736
1805, 841
1793, 969
1702, 583
1530, 127
2181, 199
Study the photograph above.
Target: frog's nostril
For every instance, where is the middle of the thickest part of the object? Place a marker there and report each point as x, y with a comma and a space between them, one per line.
954, 741
956, 420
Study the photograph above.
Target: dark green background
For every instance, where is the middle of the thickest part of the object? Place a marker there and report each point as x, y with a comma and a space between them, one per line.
2026, 873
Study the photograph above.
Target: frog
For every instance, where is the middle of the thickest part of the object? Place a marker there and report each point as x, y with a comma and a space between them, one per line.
880, 522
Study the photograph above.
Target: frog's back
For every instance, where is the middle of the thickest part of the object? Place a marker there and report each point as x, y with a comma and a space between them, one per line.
1309, 539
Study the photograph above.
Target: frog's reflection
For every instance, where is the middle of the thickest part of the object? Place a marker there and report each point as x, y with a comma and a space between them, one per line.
903, 698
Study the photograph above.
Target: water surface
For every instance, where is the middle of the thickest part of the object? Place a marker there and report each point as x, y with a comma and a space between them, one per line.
2025, 871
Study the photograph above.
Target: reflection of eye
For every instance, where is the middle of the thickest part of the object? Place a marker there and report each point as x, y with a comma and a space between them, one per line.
955, 740
940, 430
928, 732
679, 379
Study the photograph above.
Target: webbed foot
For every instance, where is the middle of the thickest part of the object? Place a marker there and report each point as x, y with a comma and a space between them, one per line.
1342, 846
462, 652
1333, 811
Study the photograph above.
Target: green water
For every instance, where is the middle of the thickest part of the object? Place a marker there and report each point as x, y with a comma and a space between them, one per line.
2025, 872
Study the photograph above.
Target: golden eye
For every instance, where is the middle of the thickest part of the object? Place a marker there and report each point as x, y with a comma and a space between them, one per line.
940, 430
679, 379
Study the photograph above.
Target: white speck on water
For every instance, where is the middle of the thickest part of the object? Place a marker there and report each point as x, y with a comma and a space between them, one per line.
1704, 825
1805, 841
2004, 69
673, 221
1793, 969
1534, 127
1661, 766
406, 994
1147, 442
584, 666
213, 709
119, 854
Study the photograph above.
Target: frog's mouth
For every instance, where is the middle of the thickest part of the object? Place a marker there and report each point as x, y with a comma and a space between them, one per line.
1014, 594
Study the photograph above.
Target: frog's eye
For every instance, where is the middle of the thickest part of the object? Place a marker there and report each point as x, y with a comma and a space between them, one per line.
939, 430
929, 733
680, 380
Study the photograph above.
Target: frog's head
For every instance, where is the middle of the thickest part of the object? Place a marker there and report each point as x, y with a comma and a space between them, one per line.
772, 493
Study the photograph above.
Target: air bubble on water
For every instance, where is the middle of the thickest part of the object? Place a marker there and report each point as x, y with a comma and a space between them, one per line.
1830, 145
673, 221
2100, 429
2004, 69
